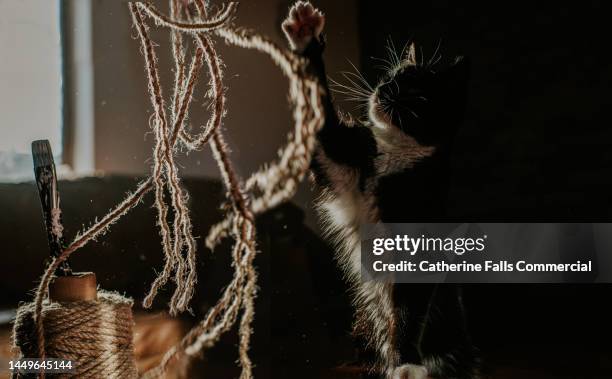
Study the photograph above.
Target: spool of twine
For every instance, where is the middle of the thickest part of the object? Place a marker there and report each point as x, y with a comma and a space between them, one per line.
96, 335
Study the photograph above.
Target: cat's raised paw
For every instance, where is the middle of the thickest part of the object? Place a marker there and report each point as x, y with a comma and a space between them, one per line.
409, 371
303, 23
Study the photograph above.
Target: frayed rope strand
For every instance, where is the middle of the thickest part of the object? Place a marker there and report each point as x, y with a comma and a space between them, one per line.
164, 164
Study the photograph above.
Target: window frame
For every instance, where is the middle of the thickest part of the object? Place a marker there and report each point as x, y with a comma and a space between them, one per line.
77, 86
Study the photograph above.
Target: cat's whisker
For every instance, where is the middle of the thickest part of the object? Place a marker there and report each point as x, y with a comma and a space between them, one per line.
399, 116
435, 53
392, 52
341, 88
347, 90
359, 75
350, 75
397, 57
386, 66
396, 86
409, 98
408, 109
436, 61
348, 93
356, 99
421, 50
404, 49
364, 85
351, 96
382, 67
413, 112
386, 107
357, 90
361, 108
356, 85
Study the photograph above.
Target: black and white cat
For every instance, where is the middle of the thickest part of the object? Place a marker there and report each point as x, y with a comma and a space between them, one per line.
393, 167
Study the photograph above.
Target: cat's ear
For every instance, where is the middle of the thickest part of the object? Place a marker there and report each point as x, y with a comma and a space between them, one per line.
410, 56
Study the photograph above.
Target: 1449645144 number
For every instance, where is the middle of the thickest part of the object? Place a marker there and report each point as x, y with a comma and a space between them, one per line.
33, 365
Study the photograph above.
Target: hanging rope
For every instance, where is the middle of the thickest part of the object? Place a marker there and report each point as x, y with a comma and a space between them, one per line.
268, 187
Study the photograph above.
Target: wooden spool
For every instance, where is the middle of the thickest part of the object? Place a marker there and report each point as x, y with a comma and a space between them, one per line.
80, 286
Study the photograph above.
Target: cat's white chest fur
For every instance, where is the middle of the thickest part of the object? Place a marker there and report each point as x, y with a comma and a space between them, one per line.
343, 214
345, 208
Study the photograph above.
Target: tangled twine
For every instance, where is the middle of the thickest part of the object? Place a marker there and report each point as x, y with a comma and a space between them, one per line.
268, 187
95, 335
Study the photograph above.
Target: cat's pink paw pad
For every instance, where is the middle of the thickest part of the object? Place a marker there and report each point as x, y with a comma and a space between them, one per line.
302, 24
409, 371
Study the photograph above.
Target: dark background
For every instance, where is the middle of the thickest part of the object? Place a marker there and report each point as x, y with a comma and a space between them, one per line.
536, 141
536, 146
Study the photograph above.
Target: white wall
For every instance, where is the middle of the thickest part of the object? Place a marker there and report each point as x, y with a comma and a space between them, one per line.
30, 82
30, 73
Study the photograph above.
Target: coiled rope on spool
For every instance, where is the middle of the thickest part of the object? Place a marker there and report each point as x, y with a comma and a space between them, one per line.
96, 335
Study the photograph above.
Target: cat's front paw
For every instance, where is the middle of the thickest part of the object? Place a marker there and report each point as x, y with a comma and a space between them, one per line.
303, 23
409, 371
